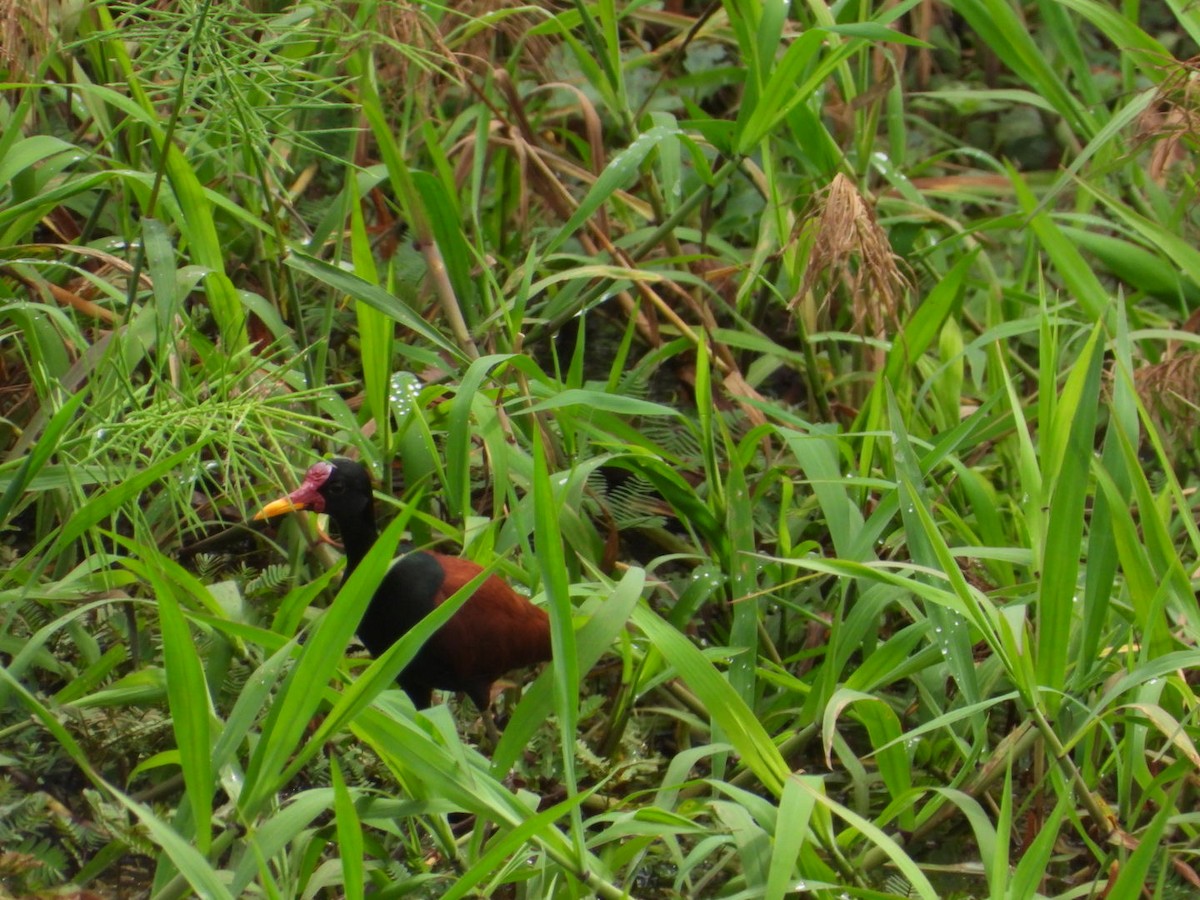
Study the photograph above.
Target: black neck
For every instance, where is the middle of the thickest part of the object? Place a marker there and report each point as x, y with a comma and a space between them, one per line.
358, 536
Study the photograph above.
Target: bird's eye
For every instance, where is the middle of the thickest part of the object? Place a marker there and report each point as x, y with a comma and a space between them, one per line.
335, 487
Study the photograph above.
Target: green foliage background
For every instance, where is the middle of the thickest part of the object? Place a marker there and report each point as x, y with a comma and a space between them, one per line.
828, 372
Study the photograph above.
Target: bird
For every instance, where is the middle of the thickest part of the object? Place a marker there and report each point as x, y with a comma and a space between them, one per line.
495, 631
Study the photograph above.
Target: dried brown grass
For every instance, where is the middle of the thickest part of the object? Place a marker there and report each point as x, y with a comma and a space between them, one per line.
1171, 124
25, 35
1170, 390
852, 253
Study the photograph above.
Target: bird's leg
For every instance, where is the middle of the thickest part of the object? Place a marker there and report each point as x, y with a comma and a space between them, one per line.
489, 728
483, 697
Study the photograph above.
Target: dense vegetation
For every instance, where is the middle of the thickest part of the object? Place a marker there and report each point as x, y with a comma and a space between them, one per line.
828, 372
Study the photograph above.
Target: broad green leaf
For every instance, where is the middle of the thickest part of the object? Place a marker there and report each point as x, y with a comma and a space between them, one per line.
375, 328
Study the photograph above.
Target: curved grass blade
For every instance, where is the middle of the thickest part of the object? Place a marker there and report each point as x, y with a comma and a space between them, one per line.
359, 289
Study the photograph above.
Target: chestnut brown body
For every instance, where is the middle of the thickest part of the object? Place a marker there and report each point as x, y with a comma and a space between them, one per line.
495, 631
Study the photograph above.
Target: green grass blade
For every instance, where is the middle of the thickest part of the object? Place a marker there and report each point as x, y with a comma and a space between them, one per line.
507, 845
927, 548
349, 832
738, 722
620, 170
548, 546
457, 482
883, 729
592, 640
1031, 867
923, 327
792, 827
742, 571
41, 453
816, 453
1069, 468
359, 289
894, 852
444, 221
191, 709
1002, 28
1078, 276
375, 328
114, 496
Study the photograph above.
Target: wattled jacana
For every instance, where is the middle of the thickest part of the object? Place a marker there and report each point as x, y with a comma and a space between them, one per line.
494, 631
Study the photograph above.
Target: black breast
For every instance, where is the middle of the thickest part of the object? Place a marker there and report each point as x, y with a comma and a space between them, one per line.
405, 596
